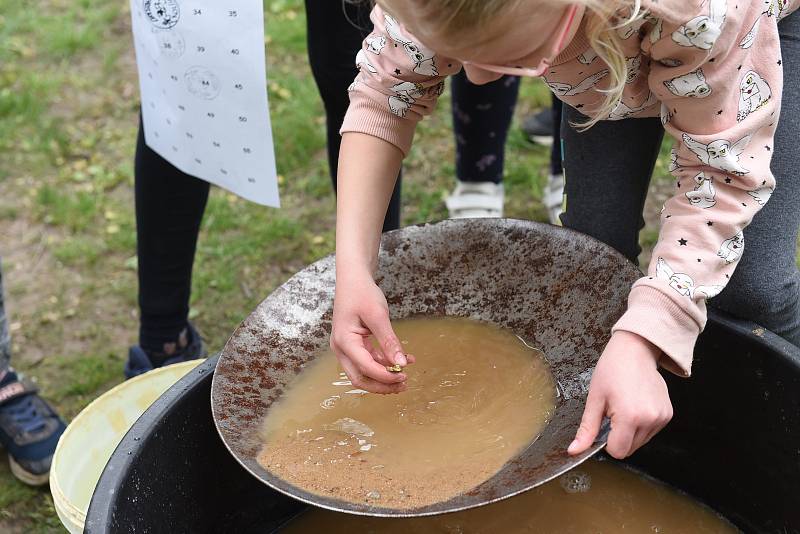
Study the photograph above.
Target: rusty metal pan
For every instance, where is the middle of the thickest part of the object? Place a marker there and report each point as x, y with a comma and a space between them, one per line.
556, 288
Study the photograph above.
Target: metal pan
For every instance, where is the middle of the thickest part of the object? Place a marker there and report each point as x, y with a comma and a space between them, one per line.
557, 288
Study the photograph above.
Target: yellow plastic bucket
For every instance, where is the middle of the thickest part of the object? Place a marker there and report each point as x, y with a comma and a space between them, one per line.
90, 439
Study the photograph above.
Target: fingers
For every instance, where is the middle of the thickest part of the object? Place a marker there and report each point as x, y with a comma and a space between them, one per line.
590, 424
376, 354
620, 440
642, 436
361, 366
627, 433
631, 433
627, 386
366, 383
662, 420
378, 323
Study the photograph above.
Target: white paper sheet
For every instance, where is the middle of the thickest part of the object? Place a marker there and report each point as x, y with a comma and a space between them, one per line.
203, 79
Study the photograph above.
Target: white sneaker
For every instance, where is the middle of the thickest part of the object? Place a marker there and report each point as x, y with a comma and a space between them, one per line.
476, 199
553, 197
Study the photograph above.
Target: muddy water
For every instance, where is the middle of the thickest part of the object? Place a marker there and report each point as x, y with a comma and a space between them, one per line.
477, 396
596, 497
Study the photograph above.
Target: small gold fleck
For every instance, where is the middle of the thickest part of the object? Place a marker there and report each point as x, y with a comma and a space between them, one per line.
394, 368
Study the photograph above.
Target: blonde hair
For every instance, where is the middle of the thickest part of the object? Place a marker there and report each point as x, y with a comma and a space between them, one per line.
454, 18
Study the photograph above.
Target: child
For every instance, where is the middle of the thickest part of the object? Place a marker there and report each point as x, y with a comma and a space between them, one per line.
712, 71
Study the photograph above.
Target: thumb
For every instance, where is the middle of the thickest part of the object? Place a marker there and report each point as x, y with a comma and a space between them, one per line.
381, 328
590, 425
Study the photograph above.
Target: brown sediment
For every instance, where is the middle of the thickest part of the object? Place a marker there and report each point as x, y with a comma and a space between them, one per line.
350, 476
476, 397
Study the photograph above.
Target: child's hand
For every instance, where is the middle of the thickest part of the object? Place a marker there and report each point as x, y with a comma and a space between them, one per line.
626, 386
359, 310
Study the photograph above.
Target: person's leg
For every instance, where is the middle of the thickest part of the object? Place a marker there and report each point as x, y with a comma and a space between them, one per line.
29, 427
335, 31
482, 115
5, 339
607, 170
539, 127
553, 195
765, 287
556, 158
169, 210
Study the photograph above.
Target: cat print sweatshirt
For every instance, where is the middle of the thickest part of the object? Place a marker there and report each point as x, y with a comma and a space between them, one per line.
710, 69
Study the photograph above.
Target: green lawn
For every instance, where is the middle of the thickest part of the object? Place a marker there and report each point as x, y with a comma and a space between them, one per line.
68, 117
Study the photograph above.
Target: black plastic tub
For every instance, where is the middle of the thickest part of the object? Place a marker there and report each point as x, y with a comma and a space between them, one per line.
734, 443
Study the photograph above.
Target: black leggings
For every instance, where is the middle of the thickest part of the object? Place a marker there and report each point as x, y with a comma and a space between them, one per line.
335, 30
170, 203
556, 156
169, 209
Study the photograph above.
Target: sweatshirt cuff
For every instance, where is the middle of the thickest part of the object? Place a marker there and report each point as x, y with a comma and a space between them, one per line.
365, 116
660, 320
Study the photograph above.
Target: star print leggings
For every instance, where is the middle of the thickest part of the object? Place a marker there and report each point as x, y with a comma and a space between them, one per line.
606, 185
170, 203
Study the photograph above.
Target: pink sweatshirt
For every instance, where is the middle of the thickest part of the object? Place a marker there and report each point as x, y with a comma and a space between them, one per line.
712, 71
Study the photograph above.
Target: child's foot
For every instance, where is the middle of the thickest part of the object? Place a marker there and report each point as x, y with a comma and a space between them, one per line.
553, 197
189, 346
476, 199
539, 127
29, 429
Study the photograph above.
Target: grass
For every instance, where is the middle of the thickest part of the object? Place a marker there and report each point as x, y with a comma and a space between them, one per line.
68, 118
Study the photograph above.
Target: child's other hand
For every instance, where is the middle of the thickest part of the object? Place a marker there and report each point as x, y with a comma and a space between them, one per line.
360, 310
626, 386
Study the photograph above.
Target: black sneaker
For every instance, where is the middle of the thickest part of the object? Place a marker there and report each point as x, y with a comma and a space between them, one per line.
189, 347
539, 127
29, 429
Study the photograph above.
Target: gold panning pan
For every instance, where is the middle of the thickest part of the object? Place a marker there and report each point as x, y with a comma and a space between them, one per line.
556, 288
